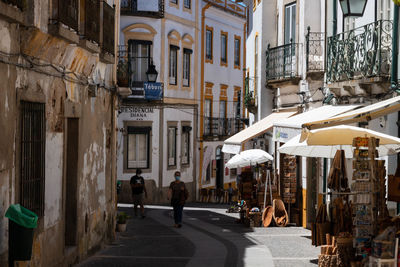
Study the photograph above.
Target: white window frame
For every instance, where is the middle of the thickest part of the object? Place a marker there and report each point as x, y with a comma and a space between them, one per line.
173, 65
185, 147
224, 48
186, 68
172, 134
209, 44
236, 56
290, 11
136, 132
187, 4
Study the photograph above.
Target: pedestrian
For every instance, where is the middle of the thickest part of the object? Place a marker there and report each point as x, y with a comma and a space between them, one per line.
178, 194
138, 188
230, 193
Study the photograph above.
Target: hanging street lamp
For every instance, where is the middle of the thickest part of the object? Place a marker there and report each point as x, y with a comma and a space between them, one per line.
152, 73
353, 8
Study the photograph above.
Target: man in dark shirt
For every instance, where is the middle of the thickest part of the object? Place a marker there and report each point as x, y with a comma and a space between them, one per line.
138, 187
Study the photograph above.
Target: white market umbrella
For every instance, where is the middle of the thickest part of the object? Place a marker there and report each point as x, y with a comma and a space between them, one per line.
248, 158
325, 142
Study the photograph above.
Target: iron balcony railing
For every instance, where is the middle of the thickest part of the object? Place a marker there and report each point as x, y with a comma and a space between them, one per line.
108, 28
315, 51
67, 13
144, 8
282, 61
361, 52
222, 126
21, 4
131, 70
92, 20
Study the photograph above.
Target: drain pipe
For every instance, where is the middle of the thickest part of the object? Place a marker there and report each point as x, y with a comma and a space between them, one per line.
393, 76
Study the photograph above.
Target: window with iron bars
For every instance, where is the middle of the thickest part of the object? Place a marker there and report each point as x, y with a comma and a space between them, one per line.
32, 166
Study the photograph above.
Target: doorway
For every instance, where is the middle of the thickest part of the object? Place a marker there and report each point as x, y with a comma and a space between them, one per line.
71, 183
312, 173
219, 157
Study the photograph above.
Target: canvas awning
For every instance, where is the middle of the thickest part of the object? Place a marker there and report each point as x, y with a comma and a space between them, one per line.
234, 143
367, 113
284, 130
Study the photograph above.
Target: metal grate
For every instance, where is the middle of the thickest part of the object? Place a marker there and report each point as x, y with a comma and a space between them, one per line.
32, 156
68, 13
92, 20
108, 28
282, 61
21, 4
315, 51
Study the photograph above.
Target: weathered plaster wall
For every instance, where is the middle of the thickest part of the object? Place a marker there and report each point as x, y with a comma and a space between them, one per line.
96, 209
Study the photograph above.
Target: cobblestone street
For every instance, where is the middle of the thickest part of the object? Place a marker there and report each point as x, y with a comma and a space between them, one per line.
209, 237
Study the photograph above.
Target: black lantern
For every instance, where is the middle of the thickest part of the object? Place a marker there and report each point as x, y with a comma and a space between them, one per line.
152, 73
353, 8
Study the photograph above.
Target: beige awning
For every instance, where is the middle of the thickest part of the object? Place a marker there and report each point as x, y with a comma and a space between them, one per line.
367, 113
233, 144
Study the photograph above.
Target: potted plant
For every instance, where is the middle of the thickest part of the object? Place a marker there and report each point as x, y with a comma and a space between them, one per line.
121, 221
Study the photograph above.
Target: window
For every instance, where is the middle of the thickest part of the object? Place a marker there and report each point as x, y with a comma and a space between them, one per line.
139, 61
209, 41
173, 55
384, 7
186, 66
207, 116
223, 127
237, 105
33, 139
224, 44
255, 65
174, 2
208, 173
138, 143
185, 145
171, 146
237, 52
290, 23
186, 3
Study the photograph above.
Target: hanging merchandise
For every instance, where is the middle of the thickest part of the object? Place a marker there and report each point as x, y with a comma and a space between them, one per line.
322, 227
289, 179
337, 179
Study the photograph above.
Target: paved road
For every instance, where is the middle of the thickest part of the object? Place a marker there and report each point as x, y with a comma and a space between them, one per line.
209, 237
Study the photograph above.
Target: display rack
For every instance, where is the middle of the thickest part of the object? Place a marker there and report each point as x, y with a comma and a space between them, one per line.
365, 198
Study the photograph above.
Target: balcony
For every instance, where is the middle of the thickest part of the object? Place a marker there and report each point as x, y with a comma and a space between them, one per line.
108, 30
92, 20
67, 13
222, 127
131, 75
230, 6
143, 8
315, 52
20, 4
364, 52
282, 62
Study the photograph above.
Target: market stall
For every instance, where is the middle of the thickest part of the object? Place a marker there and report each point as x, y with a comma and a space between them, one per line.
257, 188
355, 228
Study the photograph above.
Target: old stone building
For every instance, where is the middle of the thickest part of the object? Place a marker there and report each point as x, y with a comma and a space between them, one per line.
57, 118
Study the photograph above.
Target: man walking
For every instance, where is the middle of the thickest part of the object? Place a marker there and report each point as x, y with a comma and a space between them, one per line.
138, 187
178, 194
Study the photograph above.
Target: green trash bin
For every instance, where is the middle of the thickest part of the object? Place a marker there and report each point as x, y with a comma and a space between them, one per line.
21, 226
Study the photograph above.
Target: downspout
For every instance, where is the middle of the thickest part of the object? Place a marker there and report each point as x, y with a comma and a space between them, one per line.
393, 76
334, 17
203, 18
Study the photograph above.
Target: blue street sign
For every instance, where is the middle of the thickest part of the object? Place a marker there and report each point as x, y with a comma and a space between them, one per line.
153, 91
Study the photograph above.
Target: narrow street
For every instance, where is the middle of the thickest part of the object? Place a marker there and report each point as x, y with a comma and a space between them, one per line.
209, 237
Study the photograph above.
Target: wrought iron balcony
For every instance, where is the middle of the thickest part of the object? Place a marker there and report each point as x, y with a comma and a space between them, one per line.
67, 13
282, 61
21, 4
92, 20
315, 51
222, 127
361, 52
108, 28
131, 70
144, 8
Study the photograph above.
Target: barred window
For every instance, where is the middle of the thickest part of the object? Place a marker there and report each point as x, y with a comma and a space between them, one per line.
33, 140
